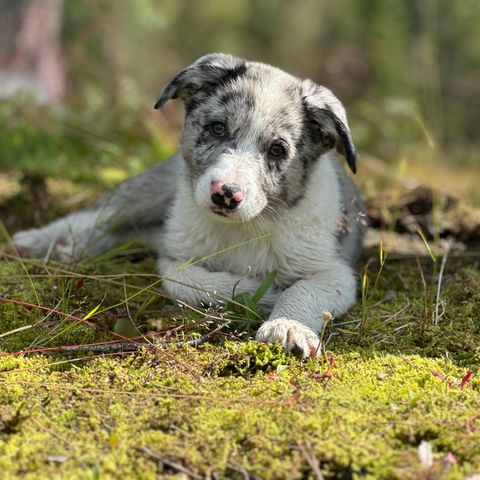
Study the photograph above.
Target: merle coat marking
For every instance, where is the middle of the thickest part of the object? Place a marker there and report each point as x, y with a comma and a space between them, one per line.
257, 178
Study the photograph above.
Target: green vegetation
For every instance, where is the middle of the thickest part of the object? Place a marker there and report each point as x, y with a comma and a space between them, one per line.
96, 381
188, 409
230, 408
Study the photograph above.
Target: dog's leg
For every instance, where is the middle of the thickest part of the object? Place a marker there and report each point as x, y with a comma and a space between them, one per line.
195, 285
81, 233
298, 315
135, 209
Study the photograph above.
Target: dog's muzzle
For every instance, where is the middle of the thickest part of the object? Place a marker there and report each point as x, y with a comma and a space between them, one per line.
227, 196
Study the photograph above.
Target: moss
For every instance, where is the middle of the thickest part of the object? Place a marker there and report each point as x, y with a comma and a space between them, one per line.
115, 417
400, 312
228, 408
249, 358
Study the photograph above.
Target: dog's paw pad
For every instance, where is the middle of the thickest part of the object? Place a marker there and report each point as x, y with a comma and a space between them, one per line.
295, 337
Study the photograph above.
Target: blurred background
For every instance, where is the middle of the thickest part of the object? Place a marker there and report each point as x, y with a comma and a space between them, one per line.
78, 80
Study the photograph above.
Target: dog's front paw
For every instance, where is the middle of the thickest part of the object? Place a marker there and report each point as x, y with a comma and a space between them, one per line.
295, 337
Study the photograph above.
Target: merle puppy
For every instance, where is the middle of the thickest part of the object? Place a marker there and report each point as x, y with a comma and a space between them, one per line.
255, 188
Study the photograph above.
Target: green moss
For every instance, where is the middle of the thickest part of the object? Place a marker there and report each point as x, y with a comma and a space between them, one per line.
109, 416
235, 407
249, 358
400, 312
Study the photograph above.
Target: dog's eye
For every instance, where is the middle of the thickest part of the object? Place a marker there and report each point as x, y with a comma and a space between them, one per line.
276, 150
218, 129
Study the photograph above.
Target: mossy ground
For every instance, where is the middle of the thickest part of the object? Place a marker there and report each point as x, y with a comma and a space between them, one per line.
232, 409
112, 418
389, 379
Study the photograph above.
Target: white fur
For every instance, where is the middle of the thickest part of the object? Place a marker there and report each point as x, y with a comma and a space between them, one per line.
299, 244
65, 239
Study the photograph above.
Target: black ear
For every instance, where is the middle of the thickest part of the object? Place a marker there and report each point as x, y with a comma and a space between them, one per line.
205, 74
327, 113
344, 143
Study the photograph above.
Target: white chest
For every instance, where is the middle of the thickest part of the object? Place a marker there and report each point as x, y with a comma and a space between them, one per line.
294, 245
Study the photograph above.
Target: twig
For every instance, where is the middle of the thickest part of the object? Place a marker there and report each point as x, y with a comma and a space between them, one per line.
124, 346
170, 463
406, 361
311, 459
114, 346
440, 277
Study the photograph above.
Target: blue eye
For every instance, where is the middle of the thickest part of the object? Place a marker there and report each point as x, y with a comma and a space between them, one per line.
276, 150
218, 129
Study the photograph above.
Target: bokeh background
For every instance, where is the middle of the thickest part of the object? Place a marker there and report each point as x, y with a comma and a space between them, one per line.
78, 80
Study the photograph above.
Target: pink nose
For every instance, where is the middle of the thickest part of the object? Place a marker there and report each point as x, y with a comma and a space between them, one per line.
226, 195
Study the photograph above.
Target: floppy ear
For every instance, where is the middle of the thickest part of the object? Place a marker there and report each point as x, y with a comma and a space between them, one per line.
202, 77
327, 116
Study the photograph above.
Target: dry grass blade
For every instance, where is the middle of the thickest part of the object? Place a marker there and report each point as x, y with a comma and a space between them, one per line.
16, 330
436, 315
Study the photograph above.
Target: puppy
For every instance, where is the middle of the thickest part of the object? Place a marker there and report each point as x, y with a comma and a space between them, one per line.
256, 188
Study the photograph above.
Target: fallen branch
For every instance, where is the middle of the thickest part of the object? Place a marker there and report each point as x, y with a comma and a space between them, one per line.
129, 346
115, 346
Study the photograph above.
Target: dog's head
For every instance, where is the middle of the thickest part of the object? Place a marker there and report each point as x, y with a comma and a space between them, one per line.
252, 133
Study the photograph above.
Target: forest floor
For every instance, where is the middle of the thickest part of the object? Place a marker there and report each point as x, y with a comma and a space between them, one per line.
96, 380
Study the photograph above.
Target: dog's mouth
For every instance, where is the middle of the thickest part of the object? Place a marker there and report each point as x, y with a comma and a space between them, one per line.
219, 212
234, 216
228, 215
